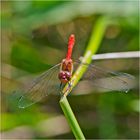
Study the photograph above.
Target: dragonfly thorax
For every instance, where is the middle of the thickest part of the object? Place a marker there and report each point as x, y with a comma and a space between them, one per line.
66, 70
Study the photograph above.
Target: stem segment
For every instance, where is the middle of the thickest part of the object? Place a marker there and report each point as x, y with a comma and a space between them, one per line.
93, 45
71, 119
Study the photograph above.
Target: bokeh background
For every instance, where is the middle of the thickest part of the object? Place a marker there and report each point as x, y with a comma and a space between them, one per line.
34, 37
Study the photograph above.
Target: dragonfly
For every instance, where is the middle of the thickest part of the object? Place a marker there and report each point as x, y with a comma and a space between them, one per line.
53, 80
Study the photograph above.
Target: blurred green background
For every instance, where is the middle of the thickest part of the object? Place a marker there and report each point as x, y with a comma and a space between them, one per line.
34, 37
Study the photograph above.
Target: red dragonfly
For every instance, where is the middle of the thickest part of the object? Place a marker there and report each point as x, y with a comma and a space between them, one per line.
54, 79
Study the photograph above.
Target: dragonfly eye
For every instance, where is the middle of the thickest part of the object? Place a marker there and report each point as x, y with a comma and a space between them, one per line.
64, 76
68, 75
61, 75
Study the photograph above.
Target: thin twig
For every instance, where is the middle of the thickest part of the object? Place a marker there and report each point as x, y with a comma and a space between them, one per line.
118, 55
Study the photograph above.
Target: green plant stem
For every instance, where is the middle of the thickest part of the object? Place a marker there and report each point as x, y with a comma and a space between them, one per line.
71, 118
93, 45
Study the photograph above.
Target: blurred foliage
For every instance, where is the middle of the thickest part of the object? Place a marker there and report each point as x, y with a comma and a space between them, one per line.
34, 37
26, 51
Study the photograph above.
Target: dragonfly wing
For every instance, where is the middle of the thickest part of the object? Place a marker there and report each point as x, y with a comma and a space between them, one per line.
104, 80
40, 87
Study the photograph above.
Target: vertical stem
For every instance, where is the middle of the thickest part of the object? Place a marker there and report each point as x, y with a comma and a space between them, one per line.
71, 119
95, 39
92, 47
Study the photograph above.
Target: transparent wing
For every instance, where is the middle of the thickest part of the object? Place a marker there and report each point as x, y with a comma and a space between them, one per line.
98, 79
43, 85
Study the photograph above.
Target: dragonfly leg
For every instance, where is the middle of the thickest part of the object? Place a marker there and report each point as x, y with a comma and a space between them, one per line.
69, 86
61, 88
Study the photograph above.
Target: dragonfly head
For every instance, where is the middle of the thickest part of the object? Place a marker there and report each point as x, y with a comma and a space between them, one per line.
64, 76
